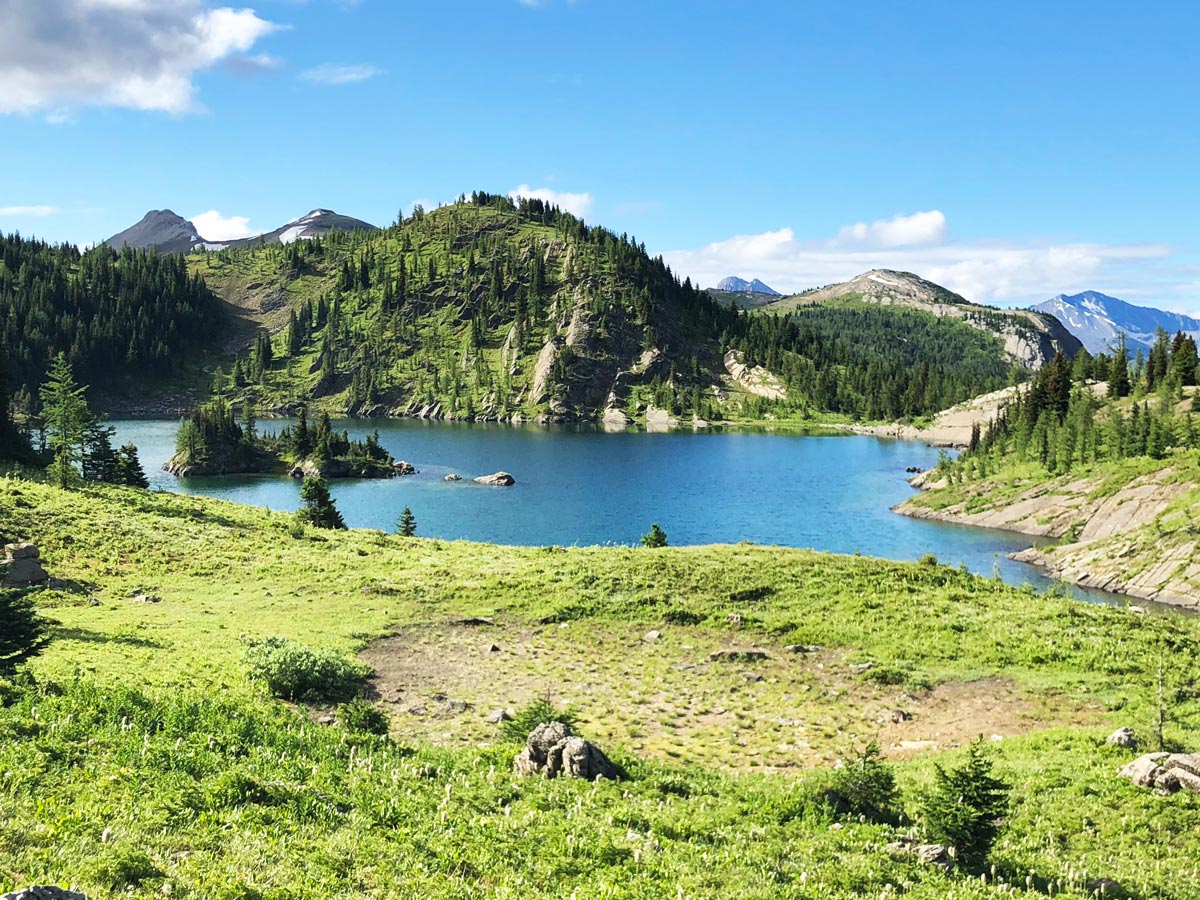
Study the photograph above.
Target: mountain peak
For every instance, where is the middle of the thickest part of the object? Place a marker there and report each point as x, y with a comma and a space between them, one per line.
165, 231
1097, 319
735, 285
160, 229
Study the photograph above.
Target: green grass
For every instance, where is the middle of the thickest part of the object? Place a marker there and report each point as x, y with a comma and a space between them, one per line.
147, 761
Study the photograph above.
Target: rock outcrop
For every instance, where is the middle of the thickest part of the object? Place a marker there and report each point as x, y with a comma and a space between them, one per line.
21, 566
755, 379
1115, 540
496, 479
1166, 773
552, 750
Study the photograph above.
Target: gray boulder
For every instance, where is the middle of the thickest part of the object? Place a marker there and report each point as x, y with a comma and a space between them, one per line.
452, 477
1124, 738
496, 479
402, 467
43, 892
1144, 770
552, 750
21, 566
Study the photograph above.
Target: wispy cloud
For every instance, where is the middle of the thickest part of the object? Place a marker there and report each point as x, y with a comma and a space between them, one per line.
331, 74
215, 227
140, 54
39, 211
576, 204
1005, 271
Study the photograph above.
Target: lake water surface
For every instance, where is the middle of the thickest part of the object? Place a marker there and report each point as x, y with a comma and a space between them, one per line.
584, 486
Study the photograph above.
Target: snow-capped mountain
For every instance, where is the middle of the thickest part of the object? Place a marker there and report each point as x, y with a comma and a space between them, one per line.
163, 230
1096, 319
317, 223
735, 285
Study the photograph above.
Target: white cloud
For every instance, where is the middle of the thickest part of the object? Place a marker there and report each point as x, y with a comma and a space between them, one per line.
215, 227
898, 231
576, 204
338, 75
140, 54
28, 210
1013, 272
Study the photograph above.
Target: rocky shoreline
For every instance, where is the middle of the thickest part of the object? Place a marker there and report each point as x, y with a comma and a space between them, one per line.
1105, 544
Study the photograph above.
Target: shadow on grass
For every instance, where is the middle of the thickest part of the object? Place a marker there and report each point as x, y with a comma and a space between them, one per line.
87, 636
1023, 876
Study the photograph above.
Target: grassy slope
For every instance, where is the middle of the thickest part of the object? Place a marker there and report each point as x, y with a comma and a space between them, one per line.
232, 797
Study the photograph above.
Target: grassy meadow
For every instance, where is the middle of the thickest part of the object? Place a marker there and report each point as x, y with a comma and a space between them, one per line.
138, 759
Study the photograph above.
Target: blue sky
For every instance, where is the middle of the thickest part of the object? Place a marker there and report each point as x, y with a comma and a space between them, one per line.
1010, 151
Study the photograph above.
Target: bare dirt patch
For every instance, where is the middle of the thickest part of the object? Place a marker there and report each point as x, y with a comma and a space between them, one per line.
664, 697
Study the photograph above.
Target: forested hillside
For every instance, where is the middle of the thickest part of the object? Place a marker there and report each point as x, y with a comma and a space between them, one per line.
485, 309
491, 309
120, 318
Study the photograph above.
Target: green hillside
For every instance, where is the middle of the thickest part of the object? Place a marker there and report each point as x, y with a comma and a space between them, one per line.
142, 760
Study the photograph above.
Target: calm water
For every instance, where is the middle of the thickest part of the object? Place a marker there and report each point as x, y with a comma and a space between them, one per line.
581, 486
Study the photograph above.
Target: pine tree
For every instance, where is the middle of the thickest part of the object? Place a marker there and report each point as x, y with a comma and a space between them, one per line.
99, 459
129, 468
67, 419
655, 537
318, 508
406, 525
1118, 374
965, 806
22, 631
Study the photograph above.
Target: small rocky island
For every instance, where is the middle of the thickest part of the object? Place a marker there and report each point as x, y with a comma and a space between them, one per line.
212, 442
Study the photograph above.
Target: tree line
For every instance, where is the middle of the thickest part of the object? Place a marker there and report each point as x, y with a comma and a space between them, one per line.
133, 314
1095, 408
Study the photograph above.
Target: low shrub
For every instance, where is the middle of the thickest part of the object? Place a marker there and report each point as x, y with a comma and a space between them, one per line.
292, 671
865, 785
362, 715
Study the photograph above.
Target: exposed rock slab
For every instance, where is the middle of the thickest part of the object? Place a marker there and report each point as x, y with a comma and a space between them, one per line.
754, 379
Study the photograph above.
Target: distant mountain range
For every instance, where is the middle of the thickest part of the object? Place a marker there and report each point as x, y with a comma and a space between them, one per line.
1096, 319
735, 285
167, 232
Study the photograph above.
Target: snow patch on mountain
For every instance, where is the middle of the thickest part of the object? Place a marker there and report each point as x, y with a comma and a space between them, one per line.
735, 285
1098, 319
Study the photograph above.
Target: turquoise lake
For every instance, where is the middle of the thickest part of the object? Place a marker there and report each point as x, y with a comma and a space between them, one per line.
585, 486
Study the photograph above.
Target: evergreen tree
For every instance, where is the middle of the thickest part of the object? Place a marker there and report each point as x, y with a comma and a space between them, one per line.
67, 419
22, 631
964, 808
655, 537
1118, 374
406, 525
318, 508
129, 468
99, 459
14, 445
